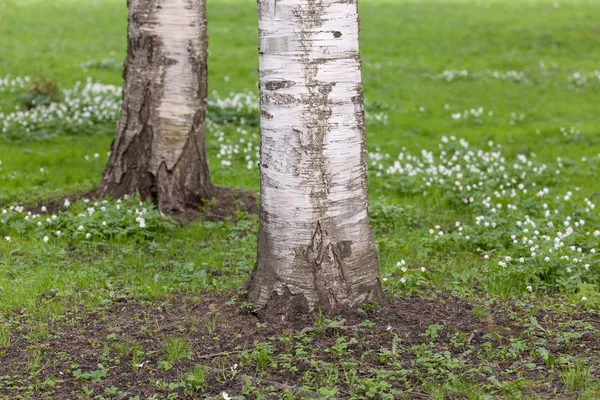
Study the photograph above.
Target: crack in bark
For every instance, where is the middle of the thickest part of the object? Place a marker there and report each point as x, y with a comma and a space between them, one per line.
330, 279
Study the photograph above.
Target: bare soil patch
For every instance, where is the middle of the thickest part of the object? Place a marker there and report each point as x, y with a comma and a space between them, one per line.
221, 336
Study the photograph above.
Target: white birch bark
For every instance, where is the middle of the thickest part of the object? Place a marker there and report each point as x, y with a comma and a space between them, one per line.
315, 246
178, 24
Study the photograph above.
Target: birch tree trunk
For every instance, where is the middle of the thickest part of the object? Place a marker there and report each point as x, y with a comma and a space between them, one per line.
315, 245
159, 150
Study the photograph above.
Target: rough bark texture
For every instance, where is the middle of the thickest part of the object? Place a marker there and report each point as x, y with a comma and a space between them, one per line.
315, 245
159, 150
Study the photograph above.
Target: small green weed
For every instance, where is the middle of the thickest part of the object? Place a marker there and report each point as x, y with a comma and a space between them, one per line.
195, 380
576, 374
94, 376
5, 335
177, 349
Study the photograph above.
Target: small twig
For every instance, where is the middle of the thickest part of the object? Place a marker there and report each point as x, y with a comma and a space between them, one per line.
224, 353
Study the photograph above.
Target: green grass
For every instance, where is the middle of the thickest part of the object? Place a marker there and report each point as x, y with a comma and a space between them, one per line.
47, 286
421, 38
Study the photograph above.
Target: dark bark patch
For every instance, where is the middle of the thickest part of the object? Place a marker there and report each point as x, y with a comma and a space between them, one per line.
345, 248
266, 114
278, 98
276, 85
325, 88
337, 34
169, 61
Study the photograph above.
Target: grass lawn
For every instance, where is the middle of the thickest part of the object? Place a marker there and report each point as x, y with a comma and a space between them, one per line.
484, 148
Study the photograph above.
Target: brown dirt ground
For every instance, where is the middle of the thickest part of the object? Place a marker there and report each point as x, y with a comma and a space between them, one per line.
84, 338
225, 203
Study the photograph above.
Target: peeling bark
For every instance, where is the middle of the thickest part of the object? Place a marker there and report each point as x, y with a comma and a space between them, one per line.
315, 245
159, 150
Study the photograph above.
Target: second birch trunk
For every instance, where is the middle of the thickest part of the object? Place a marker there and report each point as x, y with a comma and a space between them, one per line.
159, 150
